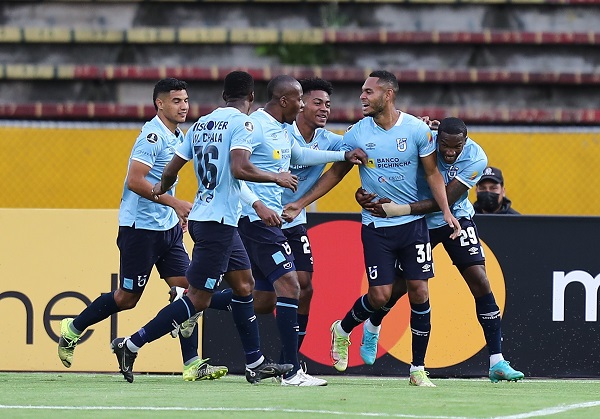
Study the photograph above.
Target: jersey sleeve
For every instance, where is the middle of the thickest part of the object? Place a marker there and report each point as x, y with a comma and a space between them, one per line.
308, 157
336, 141
185, 150
470, 174
349, 139
242, 134
424, 139
147, 146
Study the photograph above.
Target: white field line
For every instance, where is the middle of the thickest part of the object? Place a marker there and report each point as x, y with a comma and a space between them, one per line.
536, 413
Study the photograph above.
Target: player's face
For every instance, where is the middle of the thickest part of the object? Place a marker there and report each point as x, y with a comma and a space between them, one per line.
294, 104
174, 106
372, 98
450, 146
317, 107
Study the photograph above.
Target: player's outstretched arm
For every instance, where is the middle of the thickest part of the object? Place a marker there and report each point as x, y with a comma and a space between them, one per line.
324, 184
242, 168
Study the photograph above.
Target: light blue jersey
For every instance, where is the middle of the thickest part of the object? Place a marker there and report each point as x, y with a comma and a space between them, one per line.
273, 150
467, 169
393, 159
308, 175
154, 147
208, 142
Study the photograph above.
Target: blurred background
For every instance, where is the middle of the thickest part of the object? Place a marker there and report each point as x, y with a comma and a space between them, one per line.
76, 80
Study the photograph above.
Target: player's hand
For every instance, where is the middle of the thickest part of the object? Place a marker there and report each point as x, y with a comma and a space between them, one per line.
291, 211
356, 156
363, 197
287, 180
431, 123
267, 215
157, 190
453, 222
184, 226
376, 208
182, 209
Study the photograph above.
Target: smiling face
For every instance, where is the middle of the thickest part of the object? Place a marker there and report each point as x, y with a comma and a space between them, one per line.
450, 146
317, 107
373, 97
173, 107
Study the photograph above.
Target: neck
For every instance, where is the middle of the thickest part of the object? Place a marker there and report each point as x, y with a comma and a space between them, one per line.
274, 110
388, 118
241, 105
308, 132
171, 125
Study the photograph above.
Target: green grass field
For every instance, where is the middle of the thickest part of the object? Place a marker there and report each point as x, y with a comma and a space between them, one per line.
72, 395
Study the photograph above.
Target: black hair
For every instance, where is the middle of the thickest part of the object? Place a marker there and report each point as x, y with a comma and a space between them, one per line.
454, 126
237, 85
315, 83
165, 86
385, 77
278, 85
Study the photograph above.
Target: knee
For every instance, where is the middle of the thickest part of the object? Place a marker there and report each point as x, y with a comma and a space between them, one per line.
288, 286
378, 296
126, 300
418, 292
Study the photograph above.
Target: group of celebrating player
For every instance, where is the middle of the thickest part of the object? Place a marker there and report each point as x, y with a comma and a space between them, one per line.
256, 173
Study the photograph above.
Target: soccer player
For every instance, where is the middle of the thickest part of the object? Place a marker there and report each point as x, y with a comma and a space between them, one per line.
461, 162
396, 144
272, 261
219, 145
150, 231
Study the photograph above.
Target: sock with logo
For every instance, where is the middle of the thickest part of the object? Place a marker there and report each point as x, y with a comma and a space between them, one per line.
221, 300
242, 309
101, 308
420, 326
176, 312
488, 314
287, 324
361, 311
302, 324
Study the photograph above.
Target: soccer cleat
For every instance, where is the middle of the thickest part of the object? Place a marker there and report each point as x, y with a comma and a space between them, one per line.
200, 369
67, 342
125, 357
368, 346
267, 369
339, 348
302, 379
503, 371
187, 327
420, 379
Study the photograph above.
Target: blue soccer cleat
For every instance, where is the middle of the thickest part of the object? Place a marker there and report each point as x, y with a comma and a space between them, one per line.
503, 371
368, 346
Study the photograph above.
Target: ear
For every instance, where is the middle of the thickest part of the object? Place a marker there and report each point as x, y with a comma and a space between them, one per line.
159, 103
283, 102
223, 96
251, 97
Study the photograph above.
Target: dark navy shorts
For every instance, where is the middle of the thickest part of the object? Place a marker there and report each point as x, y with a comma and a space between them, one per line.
466, 249
217, 249
141, 249
406, 245
297, 237
269, 251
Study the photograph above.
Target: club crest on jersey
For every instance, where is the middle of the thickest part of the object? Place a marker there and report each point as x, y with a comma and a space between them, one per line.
152, 138
401, 144
249, 126
371, 163
473, 175
277, 154
452, 172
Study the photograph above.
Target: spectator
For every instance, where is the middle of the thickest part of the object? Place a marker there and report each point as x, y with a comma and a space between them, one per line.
491, 194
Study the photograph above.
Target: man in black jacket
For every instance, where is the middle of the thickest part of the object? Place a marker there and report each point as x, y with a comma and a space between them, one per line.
491, 194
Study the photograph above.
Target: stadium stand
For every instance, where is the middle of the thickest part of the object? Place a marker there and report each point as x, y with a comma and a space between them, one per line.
494, 61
